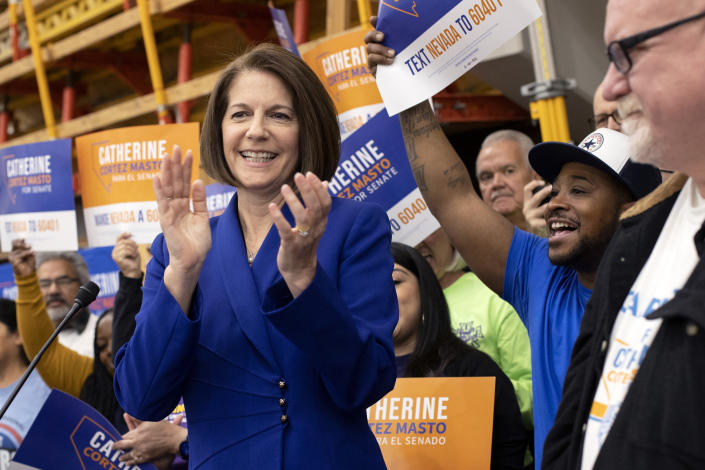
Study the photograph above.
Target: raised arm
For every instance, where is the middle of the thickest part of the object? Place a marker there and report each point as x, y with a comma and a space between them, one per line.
128, 298
60, 367
481, 235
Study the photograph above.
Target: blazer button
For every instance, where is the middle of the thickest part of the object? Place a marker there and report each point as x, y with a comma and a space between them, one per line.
282, 384
603, 346
284, 419
282, 402
691, 329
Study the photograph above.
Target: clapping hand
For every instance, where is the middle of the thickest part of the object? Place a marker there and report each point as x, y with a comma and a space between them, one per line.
297, 253
187, 232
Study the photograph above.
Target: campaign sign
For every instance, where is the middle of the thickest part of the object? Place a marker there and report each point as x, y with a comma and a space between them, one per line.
437, 41
281, 26
341, 64
117, 167
68, 433
8, 288
36, 196
218, 197
435, 423
105, 273
373, 167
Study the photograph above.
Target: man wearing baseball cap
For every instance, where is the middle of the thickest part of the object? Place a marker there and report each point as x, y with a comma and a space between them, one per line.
548, 282
633, 395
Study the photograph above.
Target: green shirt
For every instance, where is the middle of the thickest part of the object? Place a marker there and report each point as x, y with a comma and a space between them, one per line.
483, 320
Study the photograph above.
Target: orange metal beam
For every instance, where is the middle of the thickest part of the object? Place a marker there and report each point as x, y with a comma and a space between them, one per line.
466, 108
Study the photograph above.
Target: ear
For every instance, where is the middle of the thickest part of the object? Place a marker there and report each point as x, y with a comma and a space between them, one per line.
625, 206
17, 339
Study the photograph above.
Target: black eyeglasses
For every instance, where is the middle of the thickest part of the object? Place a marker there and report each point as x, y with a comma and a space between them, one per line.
601, 120
60, 282
618, 51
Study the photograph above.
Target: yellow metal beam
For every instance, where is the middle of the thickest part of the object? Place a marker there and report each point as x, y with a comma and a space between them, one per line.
364, 10
70, 15
155, 70
42, 83
85, 38
124, 111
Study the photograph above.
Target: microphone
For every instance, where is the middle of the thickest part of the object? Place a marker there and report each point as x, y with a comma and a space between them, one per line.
86, 294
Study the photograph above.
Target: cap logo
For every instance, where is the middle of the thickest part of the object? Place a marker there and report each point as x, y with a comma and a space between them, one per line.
592, 142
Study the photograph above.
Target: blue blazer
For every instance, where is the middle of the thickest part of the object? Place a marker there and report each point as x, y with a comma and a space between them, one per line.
268, 381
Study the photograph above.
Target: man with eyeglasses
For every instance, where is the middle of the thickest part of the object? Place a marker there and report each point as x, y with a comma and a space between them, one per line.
548, 282
604, 113
633, 395
60, 275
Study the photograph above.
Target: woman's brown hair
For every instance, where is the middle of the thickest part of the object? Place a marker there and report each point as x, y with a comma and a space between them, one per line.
319, 135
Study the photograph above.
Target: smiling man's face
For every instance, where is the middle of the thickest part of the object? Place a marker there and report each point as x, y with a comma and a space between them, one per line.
583, 215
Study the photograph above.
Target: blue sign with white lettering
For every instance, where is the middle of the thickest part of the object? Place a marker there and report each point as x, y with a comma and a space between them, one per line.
68, 433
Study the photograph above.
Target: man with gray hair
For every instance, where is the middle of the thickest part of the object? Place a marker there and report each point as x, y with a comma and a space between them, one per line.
60, 275
633, 394
503, 170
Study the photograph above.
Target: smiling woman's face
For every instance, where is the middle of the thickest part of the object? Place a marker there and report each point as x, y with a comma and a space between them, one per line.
260, 132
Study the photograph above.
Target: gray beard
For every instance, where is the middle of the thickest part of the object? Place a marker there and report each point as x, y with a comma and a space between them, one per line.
57, 313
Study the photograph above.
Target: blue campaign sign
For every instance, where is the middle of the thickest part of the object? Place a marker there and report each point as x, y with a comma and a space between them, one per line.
105, 273
36, 177
8, 289
373, 165
36, 196
281, 25
218, 197
68, 433
402, 21
373, 168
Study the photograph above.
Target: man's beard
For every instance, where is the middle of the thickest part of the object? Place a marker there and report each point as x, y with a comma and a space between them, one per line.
58, 313
642, 148
585, 256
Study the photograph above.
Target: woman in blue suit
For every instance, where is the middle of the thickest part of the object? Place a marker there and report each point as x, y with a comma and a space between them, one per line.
274, 320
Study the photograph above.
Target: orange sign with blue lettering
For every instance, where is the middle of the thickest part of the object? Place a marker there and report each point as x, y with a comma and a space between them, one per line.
435, 423
116, 169
341, 64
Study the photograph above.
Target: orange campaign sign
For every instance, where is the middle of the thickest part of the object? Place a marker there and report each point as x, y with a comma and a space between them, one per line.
116, 168
340, 62
435, 423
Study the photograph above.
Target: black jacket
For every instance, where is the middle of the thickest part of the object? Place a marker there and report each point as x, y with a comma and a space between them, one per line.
661, 424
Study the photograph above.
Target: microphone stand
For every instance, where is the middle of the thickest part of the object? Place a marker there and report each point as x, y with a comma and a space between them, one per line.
87, 294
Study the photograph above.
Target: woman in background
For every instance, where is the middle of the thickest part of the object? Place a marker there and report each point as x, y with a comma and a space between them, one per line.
425, 346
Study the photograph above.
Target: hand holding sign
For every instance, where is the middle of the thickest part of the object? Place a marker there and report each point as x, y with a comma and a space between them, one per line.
187, 233
377, 53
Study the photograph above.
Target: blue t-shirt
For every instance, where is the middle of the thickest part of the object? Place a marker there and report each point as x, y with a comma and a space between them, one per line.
20, 415
550, 301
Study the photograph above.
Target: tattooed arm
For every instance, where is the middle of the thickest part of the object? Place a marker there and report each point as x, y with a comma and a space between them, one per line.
481, 235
